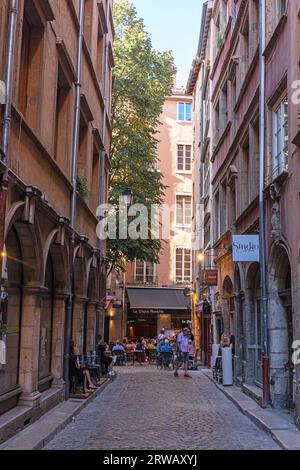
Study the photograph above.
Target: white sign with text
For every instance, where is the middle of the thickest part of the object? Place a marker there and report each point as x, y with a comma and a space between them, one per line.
245, 248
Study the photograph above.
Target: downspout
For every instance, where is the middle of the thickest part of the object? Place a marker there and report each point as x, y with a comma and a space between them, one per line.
262, 207
102, 179
202, 209
69, 307
7, 120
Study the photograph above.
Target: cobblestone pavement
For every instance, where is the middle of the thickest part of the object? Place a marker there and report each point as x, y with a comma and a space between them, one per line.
145, 408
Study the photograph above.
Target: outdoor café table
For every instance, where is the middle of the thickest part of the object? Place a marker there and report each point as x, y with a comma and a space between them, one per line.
130, 356
95, 370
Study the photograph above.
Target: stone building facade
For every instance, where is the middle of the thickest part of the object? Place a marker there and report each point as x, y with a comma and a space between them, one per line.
52, 272
174, 270
199, 86
234, 181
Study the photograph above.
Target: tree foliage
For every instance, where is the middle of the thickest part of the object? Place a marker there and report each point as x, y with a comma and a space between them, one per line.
142, 80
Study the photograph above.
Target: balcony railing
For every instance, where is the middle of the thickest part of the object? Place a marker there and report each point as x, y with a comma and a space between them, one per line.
148, 281
280, 167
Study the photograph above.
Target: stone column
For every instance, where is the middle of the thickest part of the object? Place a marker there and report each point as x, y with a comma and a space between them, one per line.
58, 332
91, 326
100, 318
249, 364
78, 322
239, 335
30, 346
225, 315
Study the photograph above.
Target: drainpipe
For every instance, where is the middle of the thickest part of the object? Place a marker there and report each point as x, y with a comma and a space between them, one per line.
262, 206
102, 180
69, 307
7, 120
202, 327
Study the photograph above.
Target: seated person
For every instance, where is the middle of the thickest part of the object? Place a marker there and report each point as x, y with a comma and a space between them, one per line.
166, 347
104, 355
131, 346
167, 351
118, 347
140, 348
159, 345
77, 370
151, 345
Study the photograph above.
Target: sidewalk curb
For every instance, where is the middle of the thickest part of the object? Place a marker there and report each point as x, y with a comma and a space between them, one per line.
256, 419
40, 443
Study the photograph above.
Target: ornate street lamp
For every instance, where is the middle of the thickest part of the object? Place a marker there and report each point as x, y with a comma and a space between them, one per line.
128, 197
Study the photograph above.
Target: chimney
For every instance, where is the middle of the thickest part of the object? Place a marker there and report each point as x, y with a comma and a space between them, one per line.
175, 78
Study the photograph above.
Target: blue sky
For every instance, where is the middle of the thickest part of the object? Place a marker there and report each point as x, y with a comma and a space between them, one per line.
174, 25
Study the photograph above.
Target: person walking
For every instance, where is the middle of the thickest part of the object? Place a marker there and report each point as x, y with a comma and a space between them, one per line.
183, 351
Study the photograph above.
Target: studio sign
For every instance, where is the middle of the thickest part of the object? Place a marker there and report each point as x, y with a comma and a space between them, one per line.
245, 248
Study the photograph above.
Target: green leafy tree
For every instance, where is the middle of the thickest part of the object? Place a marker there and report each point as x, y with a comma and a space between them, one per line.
142, 80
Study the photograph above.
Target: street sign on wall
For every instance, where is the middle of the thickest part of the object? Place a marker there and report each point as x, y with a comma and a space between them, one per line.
245, 248
210, 277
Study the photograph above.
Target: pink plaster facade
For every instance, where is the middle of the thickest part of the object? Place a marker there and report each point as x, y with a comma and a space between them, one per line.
170, 134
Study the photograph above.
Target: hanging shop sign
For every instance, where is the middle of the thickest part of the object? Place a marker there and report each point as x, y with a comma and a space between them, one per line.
210, 277
245, 248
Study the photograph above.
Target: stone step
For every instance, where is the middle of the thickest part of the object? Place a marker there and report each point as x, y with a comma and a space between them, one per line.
37, 435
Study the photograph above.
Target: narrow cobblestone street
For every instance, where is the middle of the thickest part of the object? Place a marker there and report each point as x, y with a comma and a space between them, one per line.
145, 408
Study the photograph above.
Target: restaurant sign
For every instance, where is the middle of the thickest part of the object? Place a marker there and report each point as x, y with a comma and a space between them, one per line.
147, 311
210, 277
245, 248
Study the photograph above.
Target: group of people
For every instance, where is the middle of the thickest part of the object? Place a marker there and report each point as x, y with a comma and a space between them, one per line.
179, 348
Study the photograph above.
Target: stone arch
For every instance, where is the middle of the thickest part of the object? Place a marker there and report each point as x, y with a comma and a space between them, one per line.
228, 307
93, 284
79, 277
59, 254
254, 324
280, 327
91, 310
239, 323
79, 290
11, 315
30, 243
46, 325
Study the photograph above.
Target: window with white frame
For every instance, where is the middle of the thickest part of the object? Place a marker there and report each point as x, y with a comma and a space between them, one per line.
184, 158
280, 139
144, 272
184, 112
183, 210
183, 265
